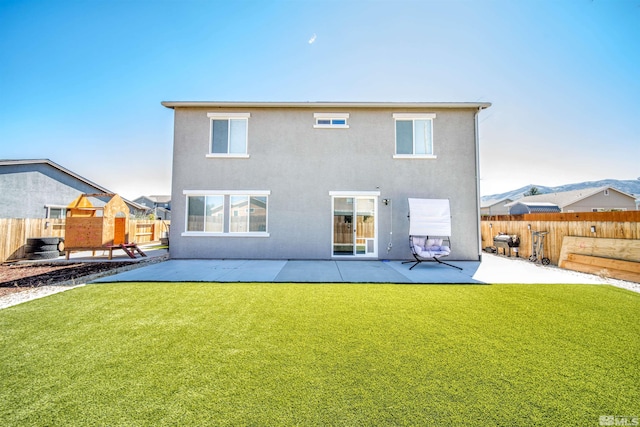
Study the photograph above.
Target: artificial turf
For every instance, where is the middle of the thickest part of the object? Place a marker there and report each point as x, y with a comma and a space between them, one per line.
328, 354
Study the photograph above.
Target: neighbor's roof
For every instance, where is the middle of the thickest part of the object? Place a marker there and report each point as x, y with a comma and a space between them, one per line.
232, 104
56, 166
159, 199
66, 171
494, 202
566, 198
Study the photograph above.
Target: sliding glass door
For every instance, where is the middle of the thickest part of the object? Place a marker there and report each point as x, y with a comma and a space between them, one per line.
354, 226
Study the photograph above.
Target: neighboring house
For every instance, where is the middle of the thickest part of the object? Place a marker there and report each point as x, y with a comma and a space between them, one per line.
495, 207
319, 180
598, 199
44, 189
159, 206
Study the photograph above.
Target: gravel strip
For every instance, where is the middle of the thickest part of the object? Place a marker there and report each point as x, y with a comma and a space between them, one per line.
31, 294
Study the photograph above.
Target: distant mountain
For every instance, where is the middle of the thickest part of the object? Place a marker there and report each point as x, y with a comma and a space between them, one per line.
631, 186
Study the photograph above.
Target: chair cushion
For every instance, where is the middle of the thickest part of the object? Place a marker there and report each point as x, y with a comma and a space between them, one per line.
433, 242
433, 251
419, 241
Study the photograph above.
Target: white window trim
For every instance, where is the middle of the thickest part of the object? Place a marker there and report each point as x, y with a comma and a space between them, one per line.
330, 116
226, 156
354, 193
223, 116
49, 207
415, 116
207, 234
223, 193
227, 116
226, 192
415, 156
357, 194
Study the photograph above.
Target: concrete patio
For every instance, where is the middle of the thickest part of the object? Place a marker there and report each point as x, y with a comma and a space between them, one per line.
492, 269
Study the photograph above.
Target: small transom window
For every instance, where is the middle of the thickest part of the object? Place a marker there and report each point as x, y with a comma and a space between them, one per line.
331, 120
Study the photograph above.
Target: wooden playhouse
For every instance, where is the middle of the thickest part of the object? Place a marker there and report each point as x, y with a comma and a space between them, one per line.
91, 228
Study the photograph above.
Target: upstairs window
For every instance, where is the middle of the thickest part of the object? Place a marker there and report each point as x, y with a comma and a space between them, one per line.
414, 135
228, 134
331, 120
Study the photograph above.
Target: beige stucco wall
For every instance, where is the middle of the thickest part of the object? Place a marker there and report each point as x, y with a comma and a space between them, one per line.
300, 165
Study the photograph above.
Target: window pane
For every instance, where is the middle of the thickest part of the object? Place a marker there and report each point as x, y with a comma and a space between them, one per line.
423, 137
239, 214
404, 137
338, 122
429, 136
258, 214
215, 214
195, 215
420, 133
57, 213
323, 122
220, 136
238, 140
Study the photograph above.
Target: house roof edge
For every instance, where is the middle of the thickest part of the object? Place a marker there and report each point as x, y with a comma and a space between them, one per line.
314, 104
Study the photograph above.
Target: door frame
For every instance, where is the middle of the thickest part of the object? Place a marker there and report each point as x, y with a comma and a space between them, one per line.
355, 195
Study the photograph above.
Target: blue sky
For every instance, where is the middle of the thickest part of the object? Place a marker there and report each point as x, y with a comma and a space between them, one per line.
81, 81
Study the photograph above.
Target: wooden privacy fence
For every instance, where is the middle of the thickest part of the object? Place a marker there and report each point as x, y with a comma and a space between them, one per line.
611, 225
14, 233
343, 231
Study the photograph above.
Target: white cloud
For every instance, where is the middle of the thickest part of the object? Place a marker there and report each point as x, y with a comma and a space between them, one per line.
312, 39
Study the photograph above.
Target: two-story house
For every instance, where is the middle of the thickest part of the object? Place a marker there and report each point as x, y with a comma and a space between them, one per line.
319, 180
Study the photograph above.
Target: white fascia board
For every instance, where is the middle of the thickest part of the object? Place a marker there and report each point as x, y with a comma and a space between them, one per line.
231, 104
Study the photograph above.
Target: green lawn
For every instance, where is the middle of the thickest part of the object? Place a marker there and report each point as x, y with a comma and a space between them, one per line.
348, 355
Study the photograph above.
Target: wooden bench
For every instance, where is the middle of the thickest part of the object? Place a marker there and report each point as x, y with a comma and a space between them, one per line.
607, 267
607, 257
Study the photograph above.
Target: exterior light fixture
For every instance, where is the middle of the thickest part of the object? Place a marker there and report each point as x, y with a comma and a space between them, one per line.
385, 201
593, 228
528, 226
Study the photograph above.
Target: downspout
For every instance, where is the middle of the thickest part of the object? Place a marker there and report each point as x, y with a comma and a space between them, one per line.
478, 223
